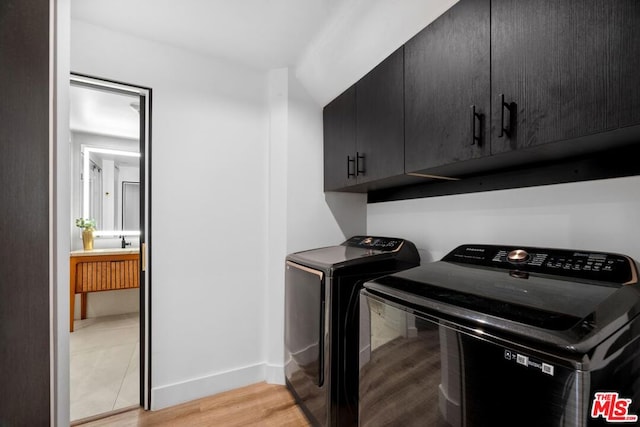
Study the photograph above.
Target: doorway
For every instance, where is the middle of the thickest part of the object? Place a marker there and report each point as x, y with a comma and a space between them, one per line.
110, 154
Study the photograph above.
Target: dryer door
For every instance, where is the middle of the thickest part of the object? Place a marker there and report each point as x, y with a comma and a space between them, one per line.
304, 322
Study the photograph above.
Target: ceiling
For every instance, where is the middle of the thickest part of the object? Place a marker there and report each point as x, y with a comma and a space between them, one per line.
307, 35
263, 34
104, 113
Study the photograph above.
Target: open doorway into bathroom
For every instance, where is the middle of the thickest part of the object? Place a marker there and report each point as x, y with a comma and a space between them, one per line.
110, 273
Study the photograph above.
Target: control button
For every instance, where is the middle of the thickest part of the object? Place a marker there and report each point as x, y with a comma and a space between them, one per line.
587, 267
518, 255
499, 256
607, 268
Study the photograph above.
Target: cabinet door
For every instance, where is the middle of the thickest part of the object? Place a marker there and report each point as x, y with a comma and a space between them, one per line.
339, 121
446, 73
556, 62
630, 68
380, 121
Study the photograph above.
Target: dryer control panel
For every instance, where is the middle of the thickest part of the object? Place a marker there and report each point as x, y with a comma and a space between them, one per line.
597, 266
384, 244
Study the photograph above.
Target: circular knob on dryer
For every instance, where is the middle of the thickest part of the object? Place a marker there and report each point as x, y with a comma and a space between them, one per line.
518, 255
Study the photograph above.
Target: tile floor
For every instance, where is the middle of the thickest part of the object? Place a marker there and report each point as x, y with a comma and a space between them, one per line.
105, 361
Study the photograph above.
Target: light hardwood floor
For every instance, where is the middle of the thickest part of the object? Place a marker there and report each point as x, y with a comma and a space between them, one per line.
255, 405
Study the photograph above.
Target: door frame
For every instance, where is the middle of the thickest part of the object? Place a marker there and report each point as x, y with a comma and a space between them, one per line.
145, 96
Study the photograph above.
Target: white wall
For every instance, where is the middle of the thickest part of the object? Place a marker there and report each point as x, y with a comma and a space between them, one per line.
300, 215
272, 339
209, 160
314, 219
358, 37
593, 215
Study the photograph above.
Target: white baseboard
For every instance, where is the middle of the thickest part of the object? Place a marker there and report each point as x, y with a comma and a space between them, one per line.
274, 374
185, 391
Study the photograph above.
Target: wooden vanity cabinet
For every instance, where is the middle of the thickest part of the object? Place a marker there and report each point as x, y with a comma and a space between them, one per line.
102, 272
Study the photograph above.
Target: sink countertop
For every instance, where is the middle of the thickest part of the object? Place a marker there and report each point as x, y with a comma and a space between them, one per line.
108, 251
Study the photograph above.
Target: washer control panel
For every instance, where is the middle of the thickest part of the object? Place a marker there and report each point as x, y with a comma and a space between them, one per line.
597, 266
384, 244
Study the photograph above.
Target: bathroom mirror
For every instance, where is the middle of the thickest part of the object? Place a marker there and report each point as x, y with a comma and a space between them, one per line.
105, 151
110, 180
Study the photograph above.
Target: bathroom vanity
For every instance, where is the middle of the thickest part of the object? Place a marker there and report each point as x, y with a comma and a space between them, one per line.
101, 270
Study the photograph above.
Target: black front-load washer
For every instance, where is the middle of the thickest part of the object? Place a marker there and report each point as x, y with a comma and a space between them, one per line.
322, 317
503, 336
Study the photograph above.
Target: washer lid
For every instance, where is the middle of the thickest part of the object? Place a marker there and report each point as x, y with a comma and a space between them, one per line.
333, 255
355, 251
481, 286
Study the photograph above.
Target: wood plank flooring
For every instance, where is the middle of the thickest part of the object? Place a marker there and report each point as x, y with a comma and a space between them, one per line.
255, 405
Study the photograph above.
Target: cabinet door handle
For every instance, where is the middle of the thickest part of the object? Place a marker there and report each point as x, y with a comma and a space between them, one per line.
350, 161
509, 107
476, 117
358, 164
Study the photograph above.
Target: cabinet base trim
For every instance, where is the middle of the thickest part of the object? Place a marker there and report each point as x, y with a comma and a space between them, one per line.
612, 164
424, 175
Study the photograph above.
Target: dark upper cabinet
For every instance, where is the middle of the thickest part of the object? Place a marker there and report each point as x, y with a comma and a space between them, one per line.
339, 122
380, 121
491, 85
556, 63
364, 129
630, 88
447, 74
